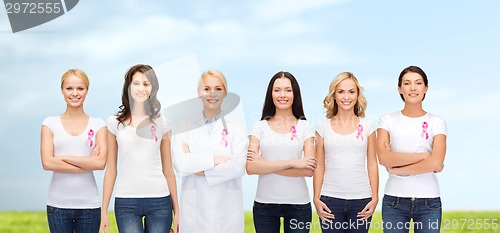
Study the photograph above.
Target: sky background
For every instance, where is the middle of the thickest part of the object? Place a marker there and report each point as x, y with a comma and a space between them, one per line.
456, 44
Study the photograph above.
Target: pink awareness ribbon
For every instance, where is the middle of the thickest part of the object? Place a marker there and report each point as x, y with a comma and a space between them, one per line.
153, 133
224, 138
90, 137
424, 130
294, 133
360, 132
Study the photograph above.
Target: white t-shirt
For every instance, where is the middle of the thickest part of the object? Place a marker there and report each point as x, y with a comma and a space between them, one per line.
73, 190
274, 188
412, 135
346, 174
140, 174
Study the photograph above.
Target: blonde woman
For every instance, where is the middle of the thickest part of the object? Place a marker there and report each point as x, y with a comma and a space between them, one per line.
209, 150
346, 180
72, 146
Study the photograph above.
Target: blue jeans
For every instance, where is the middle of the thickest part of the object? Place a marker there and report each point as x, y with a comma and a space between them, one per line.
157, 213
73, 220
266, 217
397, 212
345, 212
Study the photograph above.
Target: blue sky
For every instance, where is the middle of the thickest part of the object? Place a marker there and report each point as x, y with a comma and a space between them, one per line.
455, 43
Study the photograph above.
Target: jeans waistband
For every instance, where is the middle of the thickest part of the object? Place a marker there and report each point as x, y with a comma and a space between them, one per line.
410, 198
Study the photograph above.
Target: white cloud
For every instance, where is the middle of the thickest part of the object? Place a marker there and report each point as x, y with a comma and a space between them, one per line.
278, 9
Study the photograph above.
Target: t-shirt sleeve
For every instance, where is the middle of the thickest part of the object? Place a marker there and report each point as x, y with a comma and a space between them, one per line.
112, 124
369, 126
320, 128
164, 124
99, 123
440, 126
384, 122
48, 122
256, 130
308, 130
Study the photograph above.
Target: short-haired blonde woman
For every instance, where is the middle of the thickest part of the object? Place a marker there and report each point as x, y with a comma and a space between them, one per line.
72, 146
210, 151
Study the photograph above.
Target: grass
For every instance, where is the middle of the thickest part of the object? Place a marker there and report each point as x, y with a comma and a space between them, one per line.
453, 222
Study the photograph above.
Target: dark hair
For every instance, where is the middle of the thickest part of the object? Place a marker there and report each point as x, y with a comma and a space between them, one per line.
152, 105
269, 108
414, 69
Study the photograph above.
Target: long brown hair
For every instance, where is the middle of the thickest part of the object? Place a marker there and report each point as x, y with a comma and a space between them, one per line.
152, 105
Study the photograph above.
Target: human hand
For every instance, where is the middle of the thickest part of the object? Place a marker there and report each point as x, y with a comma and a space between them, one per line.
96, 151
104, 227
368, 210
185, 148
176, 224
306, 162
253, 156
218, 159
324, 213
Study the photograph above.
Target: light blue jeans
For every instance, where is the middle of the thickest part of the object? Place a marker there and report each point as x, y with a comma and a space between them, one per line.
73, 220
398, 211
157, 214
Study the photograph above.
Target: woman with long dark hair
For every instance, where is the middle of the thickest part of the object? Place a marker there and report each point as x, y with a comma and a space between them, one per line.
281, 152
146, 187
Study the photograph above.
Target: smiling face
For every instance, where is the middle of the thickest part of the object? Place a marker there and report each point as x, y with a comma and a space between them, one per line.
412, 87
74, 91
282, 93
140, 87
212, 92
346, 95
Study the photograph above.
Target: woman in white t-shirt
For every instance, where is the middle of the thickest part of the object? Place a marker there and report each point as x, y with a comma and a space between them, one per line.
346, 180
411, 144
146, 189
277, 143
209, 149
72, 146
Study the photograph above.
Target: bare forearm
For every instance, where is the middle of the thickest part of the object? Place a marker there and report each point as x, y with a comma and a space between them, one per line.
319, 174
108, 185
424, 166
266, 167
396, 159
88, 163
57, 165
296, 172
373, 176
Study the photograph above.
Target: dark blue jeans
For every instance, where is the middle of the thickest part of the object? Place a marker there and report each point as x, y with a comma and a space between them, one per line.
425, 212
266, 217
157, 213
73, 220
345, 212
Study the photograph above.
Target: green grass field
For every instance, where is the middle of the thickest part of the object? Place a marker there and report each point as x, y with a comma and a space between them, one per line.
459, 221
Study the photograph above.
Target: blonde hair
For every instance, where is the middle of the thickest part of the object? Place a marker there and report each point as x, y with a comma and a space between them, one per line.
213, 73
78, 73
331, 106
